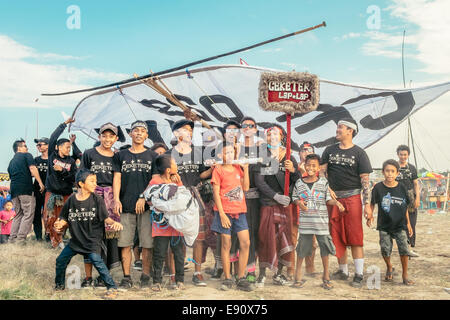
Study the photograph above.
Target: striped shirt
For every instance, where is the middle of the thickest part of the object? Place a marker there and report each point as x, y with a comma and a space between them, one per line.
315, 219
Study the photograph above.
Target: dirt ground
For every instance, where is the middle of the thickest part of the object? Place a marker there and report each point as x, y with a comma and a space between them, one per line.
28, 273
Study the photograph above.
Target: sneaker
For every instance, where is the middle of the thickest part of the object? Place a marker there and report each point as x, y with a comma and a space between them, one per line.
197, 279
217, 274
172, 282
357, 281
99, 283
126, 283
60, 287
137, 265
110, 294
244, 285
339, 275
413, 254
260, 282
281, 280
227, 284
186, 266
251, 277
145, 280
61, 245
87, 283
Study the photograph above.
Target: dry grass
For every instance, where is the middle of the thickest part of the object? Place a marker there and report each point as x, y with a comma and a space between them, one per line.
28, 272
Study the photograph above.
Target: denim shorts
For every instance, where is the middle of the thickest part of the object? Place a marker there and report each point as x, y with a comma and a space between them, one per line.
237, 224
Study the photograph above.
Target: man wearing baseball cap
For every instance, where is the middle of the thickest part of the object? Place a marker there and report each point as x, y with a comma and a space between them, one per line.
132, 173
99, 160
348, 167
41, 163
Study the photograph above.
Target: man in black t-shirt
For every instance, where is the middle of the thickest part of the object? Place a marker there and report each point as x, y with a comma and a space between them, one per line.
189, 160
408, 177
132, 173
393, 220
21, 168
348, 167
42, 166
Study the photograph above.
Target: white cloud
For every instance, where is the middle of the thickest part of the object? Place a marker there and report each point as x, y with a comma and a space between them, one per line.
350, 35
430, 35
24, 76
271, 50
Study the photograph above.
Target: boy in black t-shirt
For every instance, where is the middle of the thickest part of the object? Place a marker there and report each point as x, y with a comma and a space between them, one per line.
85, 213
393, 219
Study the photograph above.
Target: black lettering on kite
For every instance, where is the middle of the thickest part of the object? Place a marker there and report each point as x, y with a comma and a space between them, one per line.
218, 98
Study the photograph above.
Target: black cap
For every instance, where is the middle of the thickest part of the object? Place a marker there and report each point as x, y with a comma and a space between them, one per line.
181, 123
43, 139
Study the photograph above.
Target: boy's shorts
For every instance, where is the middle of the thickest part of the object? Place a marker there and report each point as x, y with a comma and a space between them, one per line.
386, 242
305, 245
144, 228
237, 224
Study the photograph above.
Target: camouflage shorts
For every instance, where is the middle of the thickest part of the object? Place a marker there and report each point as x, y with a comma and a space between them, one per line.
386, 242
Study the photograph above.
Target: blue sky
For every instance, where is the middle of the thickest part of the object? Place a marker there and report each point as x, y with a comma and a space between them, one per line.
117, 39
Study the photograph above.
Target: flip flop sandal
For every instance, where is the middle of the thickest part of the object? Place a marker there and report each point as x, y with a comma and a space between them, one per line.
326, 284
298, 284
389, 276
408, 282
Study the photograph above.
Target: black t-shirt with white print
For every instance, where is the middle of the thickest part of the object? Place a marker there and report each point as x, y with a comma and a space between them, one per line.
86, 222
101, 165
42, 167
392, 205
407, 175
190, 166
345, 166
136, 170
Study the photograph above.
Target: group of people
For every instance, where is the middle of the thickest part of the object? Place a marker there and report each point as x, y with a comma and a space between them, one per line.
248, 215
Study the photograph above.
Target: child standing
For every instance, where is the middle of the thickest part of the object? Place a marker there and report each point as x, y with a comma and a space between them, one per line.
229, 183
86, 215
393, 219
166, 170
6, 217
311, 194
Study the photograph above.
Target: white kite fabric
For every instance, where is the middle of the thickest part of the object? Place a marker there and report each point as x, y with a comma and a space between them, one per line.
230, 92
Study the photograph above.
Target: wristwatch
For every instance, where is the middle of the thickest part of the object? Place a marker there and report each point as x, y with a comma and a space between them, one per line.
141, 196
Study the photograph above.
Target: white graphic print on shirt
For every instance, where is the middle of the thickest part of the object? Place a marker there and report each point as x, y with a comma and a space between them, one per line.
342, 159
103, 167
136, 166
79, 215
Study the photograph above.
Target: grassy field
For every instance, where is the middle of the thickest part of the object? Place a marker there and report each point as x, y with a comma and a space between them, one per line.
28, 272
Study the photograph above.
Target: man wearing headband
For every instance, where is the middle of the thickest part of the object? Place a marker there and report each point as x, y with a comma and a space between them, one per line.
275, 245
190, 170
132, 173
99, 160
348, 167
59, 182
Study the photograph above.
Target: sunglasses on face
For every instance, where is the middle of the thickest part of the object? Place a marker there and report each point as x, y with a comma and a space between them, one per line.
307, 150
251, 126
